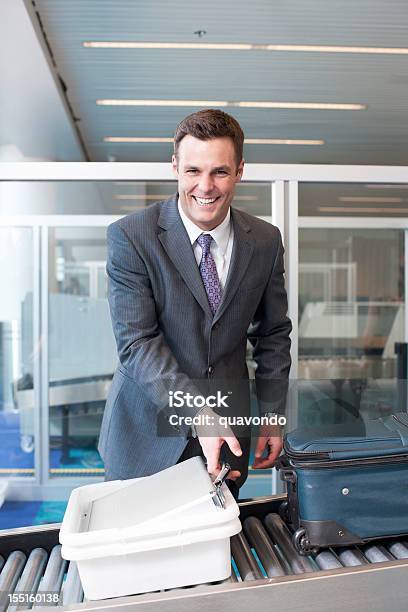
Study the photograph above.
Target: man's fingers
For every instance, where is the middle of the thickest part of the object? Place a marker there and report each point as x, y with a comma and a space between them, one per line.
260, 446
275, 447
213, 462
233, 475
233, 445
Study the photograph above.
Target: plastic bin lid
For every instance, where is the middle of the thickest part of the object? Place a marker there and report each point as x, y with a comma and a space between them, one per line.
172, 507
155, 498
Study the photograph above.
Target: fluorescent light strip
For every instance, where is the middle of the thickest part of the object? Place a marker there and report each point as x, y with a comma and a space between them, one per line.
261, 141
308, 105
163, 196
246, 47
135, 139
358, 209
281, 141
124, 102
223, 103
141, 196
168, 45
369, 199
379, 186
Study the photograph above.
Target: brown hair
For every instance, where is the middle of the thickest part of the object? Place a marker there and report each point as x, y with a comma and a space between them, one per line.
211, 123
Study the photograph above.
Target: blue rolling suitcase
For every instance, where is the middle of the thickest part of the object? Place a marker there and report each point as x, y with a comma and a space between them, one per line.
346, 487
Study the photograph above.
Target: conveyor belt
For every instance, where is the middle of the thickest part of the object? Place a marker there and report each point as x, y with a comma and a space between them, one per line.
267, 572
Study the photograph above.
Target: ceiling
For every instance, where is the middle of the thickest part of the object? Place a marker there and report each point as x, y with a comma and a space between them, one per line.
377, 135
34, 118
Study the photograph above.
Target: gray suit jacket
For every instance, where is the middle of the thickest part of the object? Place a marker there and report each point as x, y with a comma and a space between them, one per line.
167, 337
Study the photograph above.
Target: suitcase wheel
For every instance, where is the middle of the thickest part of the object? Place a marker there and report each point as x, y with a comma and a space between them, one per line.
284, 512
302, 544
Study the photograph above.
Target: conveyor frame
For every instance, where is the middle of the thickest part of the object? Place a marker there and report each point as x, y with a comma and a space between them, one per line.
374, 587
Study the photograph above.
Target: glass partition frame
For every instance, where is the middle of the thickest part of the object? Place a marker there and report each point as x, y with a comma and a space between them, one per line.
284, 181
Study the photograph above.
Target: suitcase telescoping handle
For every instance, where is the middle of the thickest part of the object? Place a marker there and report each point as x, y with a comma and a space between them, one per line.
289, 510
287, 473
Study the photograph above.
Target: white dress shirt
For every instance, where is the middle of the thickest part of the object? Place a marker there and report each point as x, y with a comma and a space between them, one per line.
221, 245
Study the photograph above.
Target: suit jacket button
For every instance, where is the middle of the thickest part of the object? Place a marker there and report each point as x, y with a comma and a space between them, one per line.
210, 370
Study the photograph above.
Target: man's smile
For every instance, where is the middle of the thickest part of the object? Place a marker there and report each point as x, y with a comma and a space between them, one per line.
205, 202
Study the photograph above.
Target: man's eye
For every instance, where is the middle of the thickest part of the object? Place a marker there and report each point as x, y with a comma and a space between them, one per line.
191, 171
222, 172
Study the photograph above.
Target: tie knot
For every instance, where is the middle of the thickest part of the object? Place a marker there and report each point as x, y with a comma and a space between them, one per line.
204, 240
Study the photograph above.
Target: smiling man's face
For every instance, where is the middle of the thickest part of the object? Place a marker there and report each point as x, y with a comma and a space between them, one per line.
207, 173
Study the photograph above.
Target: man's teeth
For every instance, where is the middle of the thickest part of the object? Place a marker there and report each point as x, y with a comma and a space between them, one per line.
205, 201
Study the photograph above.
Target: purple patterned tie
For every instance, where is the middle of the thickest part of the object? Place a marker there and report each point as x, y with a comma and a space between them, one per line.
208, 271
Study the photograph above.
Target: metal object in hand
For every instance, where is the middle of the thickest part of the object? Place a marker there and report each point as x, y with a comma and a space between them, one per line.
217, 494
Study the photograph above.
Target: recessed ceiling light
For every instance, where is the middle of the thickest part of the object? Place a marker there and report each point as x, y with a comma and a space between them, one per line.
368, 199
358, 209
223, 103
246, 47
261, 141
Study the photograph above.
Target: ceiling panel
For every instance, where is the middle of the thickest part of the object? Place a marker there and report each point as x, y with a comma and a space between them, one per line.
377, 135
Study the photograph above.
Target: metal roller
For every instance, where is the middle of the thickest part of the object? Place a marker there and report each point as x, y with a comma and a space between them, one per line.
326, 560
260, 541
54, 572
233, 577
244, 559
283, 538
350, 557
385, 581
11, 571
72, 591
376, 553
398, 549
31, 576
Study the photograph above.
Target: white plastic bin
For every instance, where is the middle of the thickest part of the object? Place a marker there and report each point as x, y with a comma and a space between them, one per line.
147, 534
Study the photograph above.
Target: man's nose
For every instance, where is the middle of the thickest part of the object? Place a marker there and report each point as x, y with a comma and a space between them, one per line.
206, 183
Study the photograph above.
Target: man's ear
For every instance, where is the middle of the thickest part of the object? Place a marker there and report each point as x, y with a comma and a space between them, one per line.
240, 170
174, 166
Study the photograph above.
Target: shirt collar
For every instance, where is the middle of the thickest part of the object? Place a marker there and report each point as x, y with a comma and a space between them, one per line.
220, 234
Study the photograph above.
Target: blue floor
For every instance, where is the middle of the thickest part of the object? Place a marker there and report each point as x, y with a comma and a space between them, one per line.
23, 514
13, 457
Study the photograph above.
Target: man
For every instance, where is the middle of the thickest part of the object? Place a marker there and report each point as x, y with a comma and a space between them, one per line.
190, 279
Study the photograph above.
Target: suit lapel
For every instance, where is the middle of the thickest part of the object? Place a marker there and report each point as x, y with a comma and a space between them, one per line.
177, 245
240, 258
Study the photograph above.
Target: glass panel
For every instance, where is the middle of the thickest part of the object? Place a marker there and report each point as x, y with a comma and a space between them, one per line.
103, 198
352, 200
16, 353
351, 302
82, 350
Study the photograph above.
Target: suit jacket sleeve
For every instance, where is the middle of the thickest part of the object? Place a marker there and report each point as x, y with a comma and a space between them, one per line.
142, 349
269, 336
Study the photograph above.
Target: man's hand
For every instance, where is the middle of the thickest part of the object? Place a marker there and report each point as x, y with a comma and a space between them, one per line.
211, 438
270, 438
